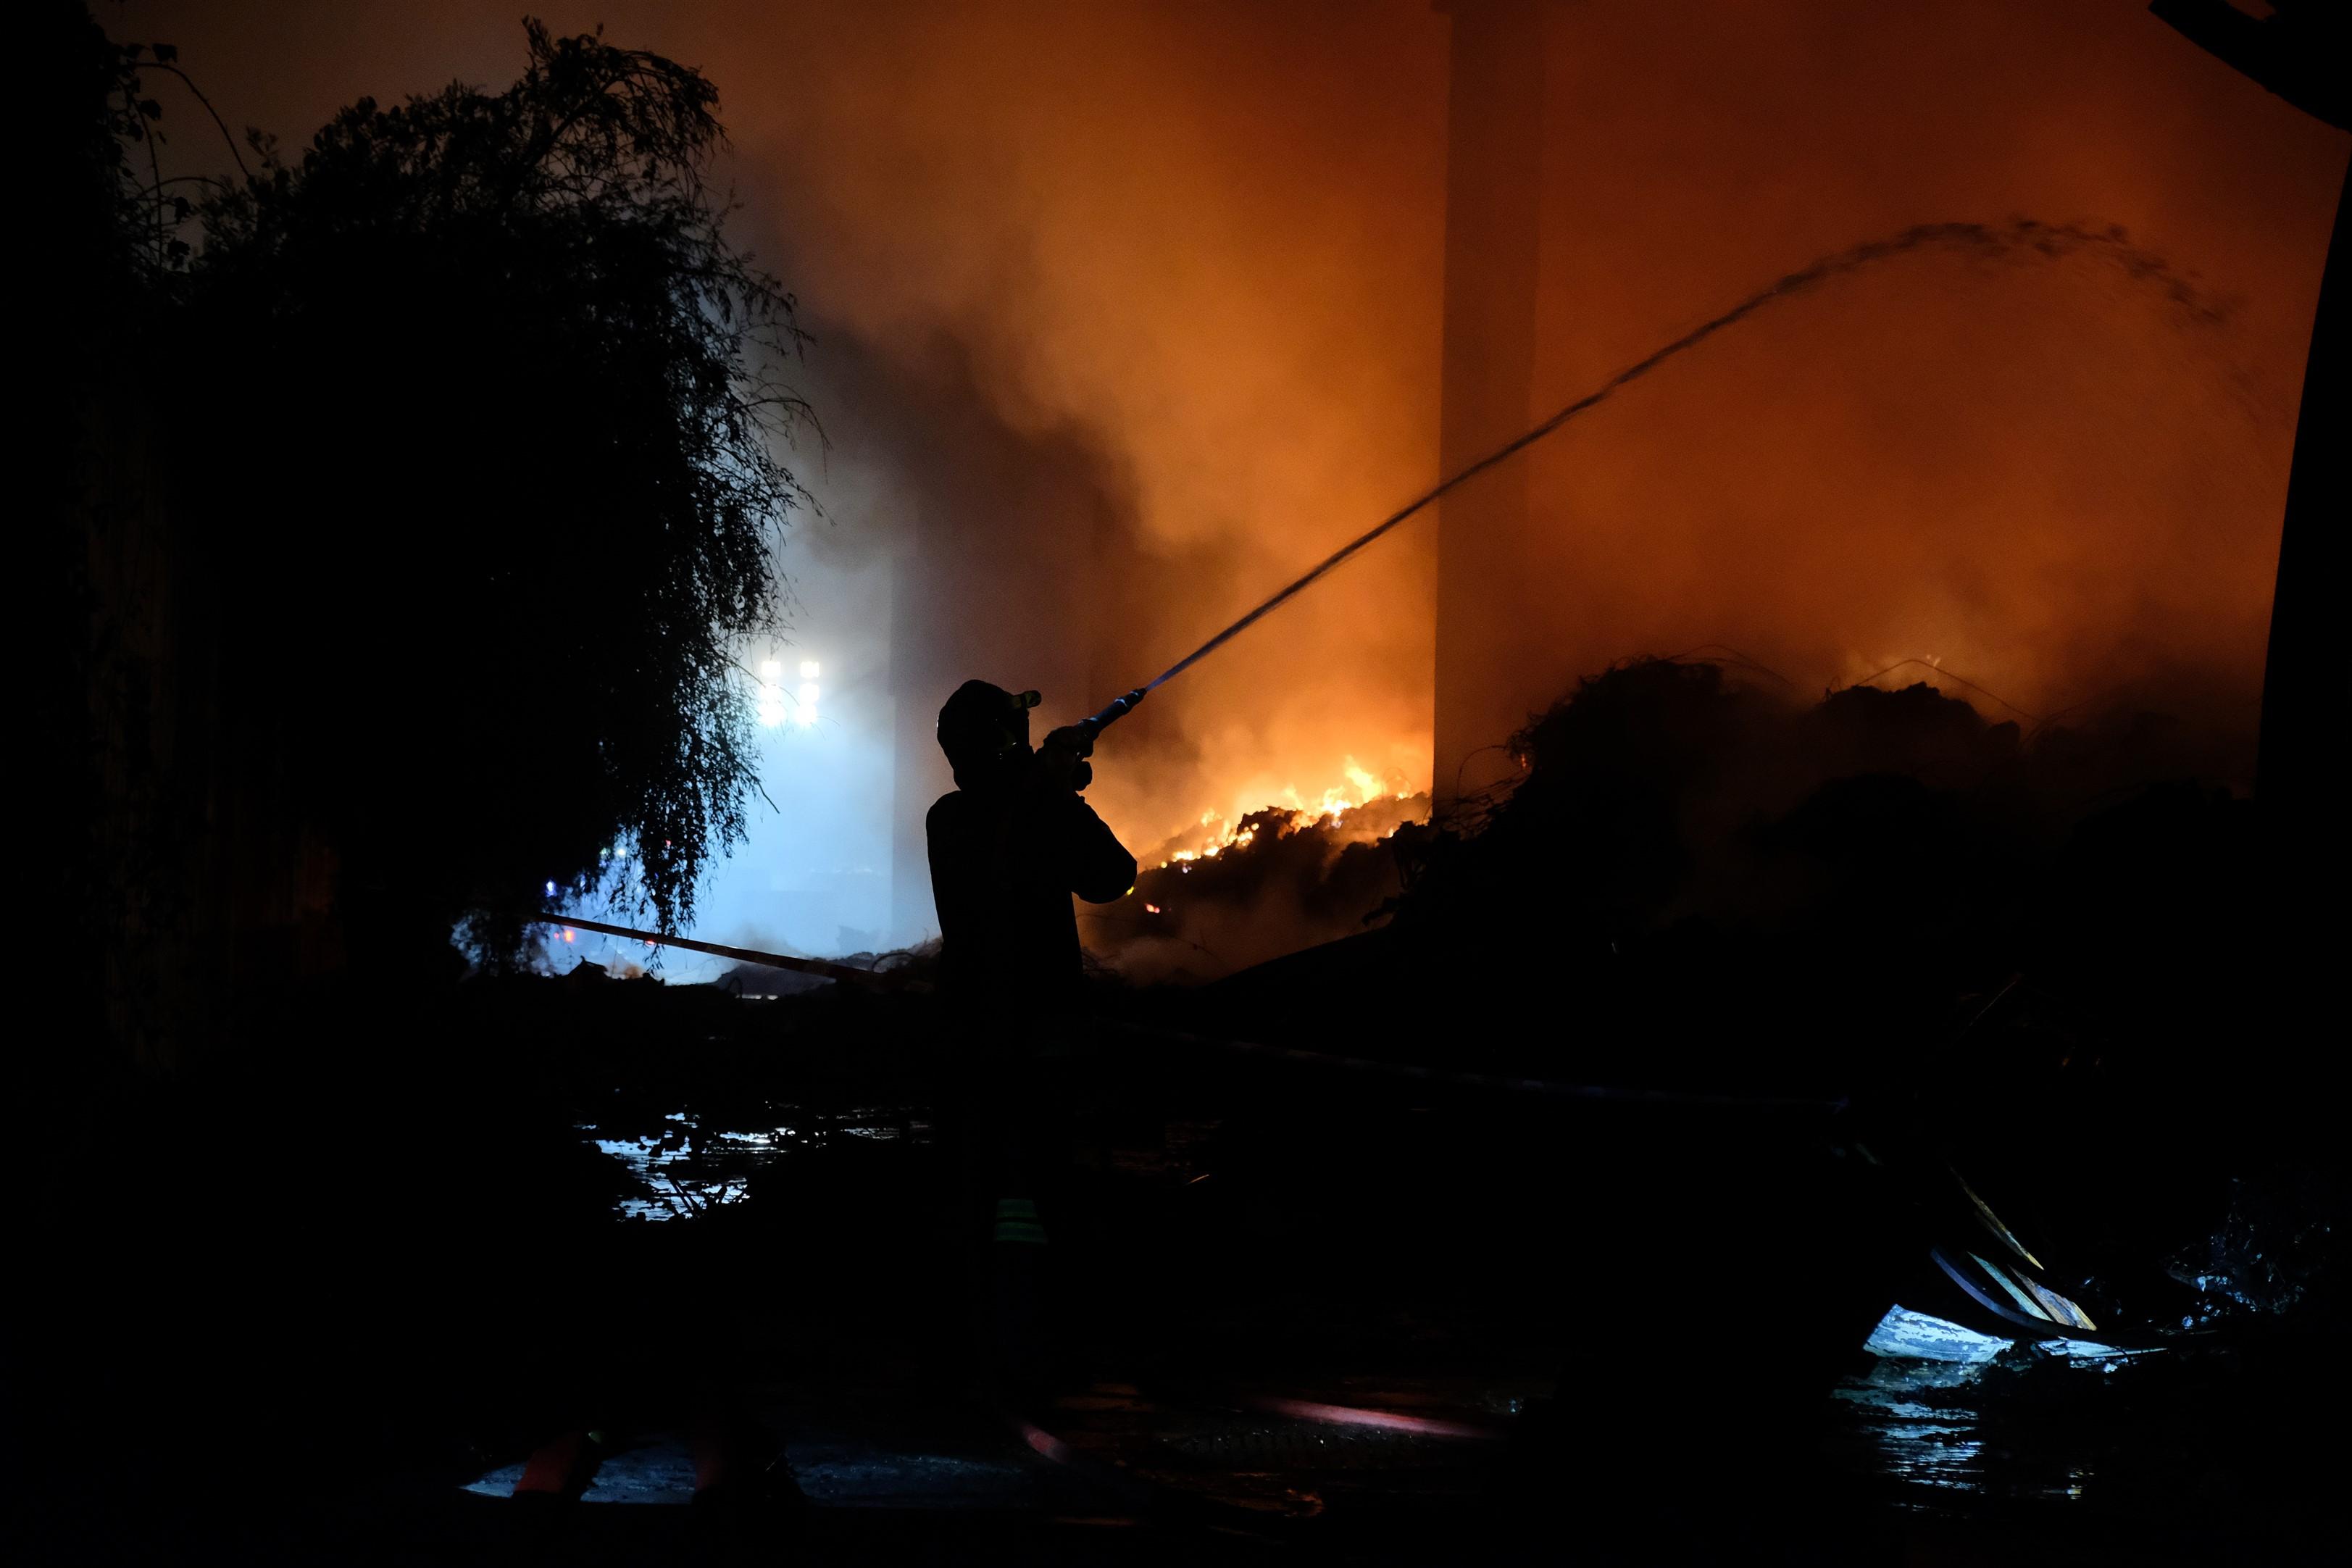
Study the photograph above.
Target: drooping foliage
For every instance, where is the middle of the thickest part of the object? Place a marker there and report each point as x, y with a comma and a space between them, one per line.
95, 275
479, 444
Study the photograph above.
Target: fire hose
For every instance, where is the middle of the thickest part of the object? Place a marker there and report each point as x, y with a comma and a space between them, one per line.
1503, 1082
2020, 236
849, 972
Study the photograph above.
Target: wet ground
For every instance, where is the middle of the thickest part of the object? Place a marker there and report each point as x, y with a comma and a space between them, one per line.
1291, 1318
1932, 1431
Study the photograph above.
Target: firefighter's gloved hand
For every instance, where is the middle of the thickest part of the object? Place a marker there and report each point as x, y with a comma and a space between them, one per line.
1079, 740
1062, 760
1059, 772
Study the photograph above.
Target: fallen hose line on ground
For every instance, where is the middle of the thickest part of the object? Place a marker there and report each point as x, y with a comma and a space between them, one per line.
1502, 1081
720, 950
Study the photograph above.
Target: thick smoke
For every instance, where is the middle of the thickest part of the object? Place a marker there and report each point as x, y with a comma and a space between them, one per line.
2045, 479
1197, 276
1167, 277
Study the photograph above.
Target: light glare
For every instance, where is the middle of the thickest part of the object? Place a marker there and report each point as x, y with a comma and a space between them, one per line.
772, 693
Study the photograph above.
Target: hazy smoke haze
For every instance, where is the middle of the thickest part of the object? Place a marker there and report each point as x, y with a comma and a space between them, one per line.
1180, 265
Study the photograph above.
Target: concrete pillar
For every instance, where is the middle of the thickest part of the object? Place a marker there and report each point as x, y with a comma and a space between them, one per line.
1493, 241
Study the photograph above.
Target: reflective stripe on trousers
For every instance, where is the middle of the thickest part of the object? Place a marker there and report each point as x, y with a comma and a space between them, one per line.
1017, 1222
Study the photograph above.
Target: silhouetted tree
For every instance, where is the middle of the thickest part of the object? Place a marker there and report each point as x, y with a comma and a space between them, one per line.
83, 363
477, 445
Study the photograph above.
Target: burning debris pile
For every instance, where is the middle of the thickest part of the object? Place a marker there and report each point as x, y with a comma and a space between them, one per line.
1690, 863
1681, 838
2063, 950
1667, 794
1228, 895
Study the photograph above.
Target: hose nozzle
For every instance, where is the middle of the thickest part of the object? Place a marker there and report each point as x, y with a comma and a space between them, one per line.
1116, 709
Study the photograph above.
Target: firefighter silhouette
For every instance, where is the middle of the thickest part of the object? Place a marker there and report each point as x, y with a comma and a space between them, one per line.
1010, 845
1009, 848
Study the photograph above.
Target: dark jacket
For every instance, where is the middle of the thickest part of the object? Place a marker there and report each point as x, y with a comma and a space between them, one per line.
1004, 863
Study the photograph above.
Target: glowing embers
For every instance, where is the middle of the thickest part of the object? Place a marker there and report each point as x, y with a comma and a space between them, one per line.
1209, 850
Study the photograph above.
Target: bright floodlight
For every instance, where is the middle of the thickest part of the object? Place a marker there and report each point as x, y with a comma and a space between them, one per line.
808, 670
772, 693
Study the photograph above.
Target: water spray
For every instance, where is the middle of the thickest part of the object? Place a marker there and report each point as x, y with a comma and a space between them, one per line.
1986, 241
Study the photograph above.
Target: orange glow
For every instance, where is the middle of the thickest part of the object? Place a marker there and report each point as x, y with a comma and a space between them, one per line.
1189, 260
1215, 833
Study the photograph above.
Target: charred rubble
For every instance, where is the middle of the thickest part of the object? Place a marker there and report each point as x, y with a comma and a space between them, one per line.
2069, 957
1691, 864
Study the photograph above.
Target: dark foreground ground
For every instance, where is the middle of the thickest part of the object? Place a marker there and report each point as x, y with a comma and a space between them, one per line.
322, 1307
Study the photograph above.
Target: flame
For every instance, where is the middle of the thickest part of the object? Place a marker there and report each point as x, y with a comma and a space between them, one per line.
1215, 833
1362, 785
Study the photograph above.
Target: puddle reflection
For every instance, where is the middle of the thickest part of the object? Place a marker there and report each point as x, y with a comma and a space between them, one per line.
690, 1165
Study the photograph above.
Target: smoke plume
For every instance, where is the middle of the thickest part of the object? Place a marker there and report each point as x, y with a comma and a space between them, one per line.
1144, 301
